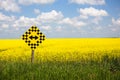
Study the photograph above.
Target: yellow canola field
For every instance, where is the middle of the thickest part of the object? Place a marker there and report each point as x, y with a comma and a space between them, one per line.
61, 49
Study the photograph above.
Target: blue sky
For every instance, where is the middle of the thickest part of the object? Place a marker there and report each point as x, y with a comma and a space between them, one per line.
60, 18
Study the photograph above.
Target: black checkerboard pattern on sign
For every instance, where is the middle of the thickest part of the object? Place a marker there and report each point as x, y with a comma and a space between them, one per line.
26, 38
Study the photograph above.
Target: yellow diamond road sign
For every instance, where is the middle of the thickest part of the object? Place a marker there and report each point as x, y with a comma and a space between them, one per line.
33, 37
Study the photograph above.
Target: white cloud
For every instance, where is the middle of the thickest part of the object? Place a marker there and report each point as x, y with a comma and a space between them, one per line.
115, 26
98, 28
24, 22
28, 2
83, 17
91, 2
6, 18
50, 16
114, 29
116, 22
43, 18
72, 22
9, 5
46, 27
92, 12
6, 21
96, 20
36, 11
67, 21
4, 25
58, 28
16, 28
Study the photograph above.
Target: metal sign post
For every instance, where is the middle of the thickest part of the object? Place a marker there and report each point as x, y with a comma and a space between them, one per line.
33, 37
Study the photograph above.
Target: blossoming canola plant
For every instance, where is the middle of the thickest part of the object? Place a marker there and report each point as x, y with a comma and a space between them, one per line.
64, 59
61, 49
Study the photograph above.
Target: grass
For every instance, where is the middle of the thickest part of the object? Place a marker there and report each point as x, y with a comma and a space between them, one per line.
61, 59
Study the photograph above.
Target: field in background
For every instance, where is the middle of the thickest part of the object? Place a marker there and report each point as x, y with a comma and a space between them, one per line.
61, 59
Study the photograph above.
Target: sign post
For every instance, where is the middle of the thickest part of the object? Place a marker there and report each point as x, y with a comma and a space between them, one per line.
32, 56
33, 37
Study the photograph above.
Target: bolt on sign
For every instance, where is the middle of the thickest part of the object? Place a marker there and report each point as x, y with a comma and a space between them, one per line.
33, 37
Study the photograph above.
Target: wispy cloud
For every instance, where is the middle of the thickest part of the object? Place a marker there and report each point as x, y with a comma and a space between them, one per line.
9, 5
116, 22
6, 18
36, 11
90, 2
43, 18
72, 22
47, 28
115, 26
29, 2
50, 16
4, 25
92, 12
